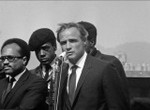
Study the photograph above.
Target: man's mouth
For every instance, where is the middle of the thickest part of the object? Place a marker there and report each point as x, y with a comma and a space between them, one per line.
69, 53
44, 60
6, 68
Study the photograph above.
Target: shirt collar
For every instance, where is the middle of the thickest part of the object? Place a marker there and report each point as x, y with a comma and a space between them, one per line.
17, 76
51, 64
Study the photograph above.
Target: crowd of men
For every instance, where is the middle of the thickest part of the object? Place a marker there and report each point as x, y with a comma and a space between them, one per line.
88, 79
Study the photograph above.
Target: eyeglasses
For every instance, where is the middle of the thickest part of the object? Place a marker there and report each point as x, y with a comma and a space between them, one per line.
9, 58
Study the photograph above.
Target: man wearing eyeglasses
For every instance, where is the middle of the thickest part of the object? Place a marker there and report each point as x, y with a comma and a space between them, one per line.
20, 90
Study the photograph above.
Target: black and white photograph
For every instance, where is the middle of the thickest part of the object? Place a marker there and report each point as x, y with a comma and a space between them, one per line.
75, 55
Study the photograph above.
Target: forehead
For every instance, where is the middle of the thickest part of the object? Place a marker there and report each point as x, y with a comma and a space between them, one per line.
11, 49
70, 33
46, 44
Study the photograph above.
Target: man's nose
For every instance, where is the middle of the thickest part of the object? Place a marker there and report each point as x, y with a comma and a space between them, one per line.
5, 61
68, 46
42, 53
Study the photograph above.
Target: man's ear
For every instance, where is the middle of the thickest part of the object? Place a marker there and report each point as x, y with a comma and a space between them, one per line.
92, 43
85, 43
54, 47
24, 60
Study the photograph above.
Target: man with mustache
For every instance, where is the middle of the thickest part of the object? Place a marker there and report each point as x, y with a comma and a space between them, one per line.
20, 90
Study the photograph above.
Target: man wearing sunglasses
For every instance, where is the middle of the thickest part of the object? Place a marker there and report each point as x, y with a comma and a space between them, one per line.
20, 90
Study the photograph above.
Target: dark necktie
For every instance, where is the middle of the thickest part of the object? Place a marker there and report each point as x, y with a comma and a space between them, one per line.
72, 83
8, 88
47, 72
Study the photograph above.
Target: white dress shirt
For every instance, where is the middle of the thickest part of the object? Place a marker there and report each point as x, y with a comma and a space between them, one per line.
80, 65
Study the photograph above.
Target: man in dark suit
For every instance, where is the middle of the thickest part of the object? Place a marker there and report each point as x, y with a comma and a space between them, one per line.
90, 84
20, 90
91, 49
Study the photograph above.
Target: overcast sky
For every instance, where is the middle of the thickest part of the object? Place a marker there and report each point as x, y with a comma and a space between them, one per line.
117, 22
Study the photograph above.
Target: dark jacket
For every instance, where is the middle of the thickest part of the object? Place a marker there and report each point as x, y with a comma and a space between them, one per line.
119, 67
29, 93
99, 88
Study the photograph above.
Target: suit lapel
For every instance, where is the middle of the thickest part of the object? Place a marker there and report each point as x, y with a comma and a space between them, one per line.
38, 71
19, 83
3, 85
63, 80
84, 73
63, 77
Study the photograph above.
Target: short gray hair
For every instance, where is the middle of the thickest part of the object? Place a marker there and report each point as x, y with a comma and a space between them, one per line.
80, 28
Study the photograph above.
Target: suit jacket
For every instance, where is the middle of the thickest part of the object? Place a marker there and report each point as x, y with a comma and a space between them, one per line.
2, 75
111, 59
120, 70
99, 88
37, 71
28, 93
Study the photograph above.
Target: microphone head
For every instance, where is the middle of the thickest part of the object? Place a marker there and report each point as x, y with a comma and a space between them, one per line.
63, 54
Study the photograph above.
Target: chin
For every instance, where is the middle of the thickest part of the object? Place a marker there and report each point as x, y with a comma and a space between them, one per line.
72, 59
45, 63
8, 73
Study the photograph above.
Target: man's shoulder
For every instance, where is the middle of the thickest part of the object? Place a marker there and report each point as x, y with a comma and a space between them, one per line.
112, 60
107, 57
35, 70
110, 57
32, 81
98, 65
95, 61
33, 77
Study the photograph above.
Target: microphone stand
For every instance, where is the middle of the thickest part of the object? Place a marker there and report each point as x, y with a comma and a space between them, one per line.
55, 84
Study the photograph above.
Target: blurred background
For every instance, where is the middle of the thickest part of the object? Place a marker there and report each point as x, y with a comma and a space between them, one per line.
123, 31
123, 26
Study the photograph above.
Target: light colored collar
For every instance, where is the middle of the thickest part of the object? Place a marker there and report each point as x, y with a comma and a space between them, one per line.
17, 76
53, 62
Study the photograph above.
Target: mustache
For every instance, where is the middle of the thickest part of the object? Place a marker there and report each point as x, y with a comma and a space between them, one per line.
6, 65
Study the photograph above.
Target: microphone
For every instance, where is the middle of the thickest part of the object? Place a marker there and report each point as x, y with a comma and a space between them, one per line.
62, 56
60, 59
